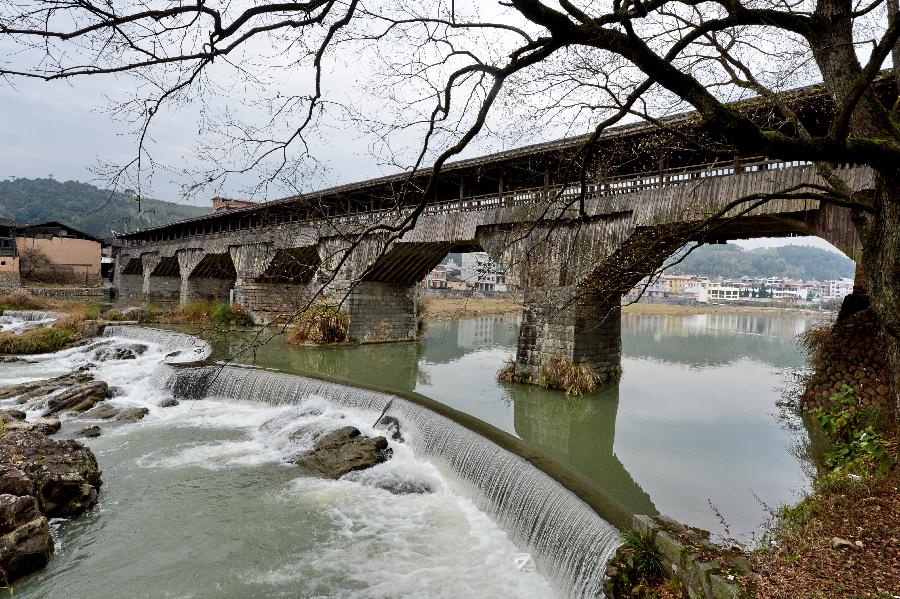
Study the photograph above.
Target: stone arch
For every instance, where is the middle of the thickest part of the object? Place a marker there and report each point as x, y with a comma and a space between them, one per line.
164, 281
213, 278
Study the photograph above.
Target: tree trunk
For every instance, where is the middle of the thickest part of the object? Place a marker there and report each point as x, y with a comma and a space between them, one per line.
881, 245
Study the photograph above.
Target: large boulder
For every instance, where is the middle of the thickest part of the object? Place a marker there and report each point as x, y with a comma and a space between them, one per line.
64, 474
78, 398
342, 451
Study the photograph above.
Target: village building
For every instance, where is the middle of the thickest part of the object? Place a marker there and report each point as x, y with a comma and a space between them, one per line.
48, 252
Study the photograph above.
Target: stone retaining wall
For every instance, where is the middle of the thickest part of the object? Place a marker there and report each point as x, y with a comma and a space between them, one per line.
852, 354
10, 280
705, 570
81, 294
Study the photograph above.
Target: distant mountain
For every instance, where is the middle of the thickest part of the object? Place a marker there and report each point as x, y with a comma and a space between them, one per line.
85, 207
789, 261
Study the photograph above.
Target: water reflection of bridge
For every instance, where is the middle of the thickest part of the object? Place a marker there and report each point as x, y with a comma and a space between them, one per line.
579, 434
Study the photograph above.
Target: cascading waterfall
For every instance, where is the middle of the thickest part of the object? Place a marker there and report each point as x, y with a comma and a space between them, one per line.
21, 320
568, 540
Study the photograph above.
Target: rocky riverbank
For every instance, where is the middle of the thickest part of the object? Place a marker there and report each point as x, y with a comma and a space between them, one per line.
40, 478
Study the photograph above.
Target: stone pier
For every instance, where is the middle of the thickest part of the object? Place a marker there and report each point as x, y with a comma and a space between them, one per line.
382, 312
573, 324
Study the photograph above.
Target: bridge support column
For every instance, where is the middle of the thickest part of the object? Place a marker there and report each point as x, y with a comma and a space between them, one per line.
148, 263
573, 324
382, 312
250, 262
187, 261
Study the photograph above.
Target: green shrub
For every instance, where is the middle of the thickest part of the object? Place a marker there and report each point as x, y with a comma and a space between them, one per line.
114, 315
851, 429
223, 315
37, 341
92, 311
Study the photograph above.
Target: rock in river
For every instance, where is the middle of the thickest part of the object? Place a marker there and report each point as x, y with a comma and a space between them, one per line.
341, 451
40, 478
132, 414
78, 398
34, 389
25, 541
103, 411
90, 432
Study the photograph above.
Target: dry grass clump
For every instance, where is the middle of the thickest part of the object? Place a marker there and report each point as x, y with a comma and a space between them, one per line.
18, 299
558, 373
561, 373
321, 324
813, 340
507, 374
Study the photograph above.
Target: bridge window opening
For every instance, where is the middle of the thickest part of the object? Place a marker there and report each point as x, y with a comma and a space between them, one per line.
786, 270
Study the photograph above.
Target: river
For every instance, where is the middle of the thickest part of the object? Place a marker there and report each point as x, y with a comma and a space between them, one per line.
199, 499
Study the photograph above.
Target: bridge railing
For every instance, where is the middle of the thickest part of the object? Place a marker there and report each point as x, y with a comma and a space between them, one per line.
616, 185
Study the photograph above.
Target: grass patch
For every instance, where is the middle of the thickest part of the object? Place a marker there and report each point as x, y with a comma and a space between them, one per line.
644, 557
38, 341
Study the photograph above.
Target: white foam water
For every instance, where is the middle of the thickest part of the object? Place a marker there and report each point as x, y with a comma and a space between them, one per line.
18, 321
447, 516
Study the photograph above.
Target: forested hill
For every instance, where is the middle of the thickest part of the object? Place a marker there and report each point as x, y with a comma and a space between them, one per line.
790, 261
85, 207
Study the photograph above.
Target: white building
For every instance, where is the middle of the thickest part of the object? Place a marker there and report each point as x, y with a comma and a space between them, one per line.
480, 272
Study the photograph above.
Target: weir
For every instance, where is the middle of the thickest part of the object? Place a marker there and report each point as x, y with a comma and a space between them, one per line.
570, 542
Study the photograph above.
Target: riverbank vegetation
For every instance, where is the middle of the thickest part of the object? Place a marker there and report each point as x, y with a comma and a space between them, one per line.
208, 312
40, 340
441, 308
843, 539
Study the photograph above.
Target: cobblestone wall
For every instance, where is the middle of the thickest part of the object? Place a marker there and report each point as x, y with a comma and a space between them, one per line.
202, 289
268, 301
130, 287
9, 279
164, 289
95, 294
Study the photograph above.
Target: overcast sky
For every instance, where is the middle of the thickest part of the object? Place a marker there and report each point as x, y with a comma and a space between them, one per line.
66, 129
